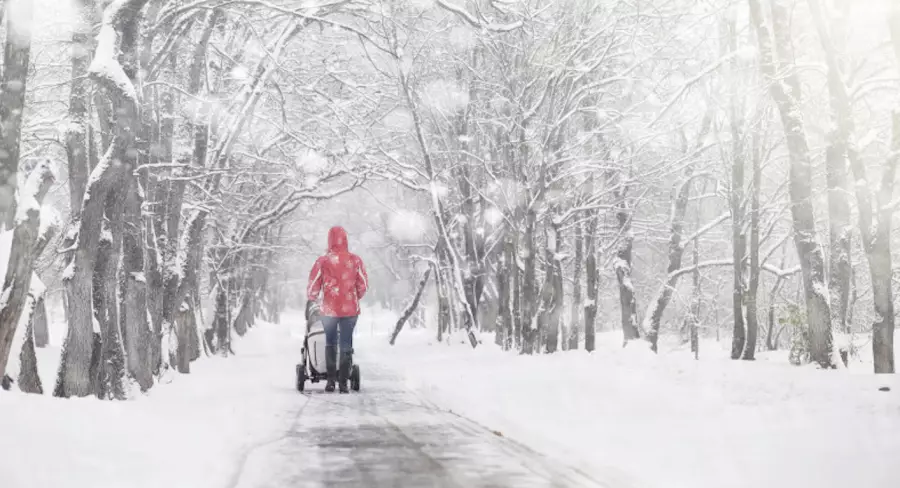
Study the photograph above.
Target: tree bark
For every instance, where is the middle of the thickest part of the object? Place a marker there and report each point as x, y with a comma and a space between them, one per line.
76, 135
17, 281
16, 60
113, 69
41, 331
785, 91
696, 301
836, 154
676, 254
530, 299
577, 301
753, 286
408, 311
736, 201
590, 273
29, 380
627, 302
133, 315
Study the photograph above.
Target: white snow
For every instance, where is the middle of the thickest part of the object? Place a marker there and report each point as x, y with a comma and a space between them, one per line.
189, 433
311, 161
669, 421
105, 64
626, 417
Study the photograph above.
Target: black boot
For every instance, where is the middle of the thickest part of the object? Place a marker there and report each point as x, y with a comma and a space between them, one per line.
344, 374
331, 367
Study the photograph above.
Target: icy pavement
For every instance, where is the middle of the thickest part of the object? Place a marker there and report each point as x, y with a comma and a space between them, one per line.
388, 436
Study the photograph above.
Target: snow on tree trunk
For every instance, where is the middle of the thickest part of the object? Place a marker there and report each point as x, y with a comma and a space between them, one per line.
133, 314
785, 91
836, 154
16, 59
113, 68
696, 300
19, 269
622, 267
113, 375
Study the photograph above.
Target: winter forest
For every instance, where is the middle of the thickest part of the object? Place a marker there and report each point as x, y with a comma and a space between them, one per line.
712, 176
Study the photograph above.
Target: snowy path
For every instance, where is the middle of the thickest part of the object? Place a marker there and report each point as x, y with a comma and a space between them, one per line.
389, 436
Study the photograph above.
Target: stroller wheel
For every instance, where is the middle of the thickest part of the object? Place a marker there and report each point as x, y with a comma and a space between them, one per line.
301, 377
354, 378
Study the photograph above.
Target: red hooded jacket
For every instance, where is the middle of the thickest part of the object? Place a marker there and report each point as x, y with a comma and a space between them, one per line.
340, 276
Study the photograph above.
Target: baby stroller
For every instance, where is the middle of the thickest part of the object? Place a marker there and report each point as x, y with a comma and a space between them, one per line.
313, 366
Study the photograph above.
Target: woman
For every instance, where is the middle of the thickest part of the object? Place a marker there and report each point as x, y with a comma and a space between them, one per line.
341, 278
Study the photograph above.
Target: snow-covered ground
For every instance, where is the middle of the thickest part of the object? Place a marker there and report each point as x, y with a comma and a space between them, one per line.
622, 416
185, 434
670, 421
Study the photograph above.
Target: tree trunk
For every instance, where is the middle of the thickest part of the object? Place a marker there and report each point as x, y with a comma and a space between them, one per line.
786, 92
557, 293
753, 287
408, 311
676, 253
133, 315
529, 286
736, 201
41, 331
220, 321
515, 292
627, 302
113, 374
115, 60
183, 325
76, 135
16, 59
577, 301
836, 154
17, 281
696, 300
771, 339
590, 273
29, 380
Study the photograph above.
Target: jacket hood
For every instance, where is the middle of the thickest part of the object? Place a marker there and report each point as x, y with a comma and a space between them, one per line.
337, 239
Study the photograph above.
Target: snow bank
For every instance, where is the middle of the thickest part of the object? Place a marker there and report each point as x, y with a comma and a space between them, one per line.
634, 419
189, 433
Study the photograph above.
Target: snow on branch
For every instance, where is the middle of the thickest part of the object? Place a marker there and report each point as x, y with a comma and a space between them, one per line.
480, 22
105, 67
778, 272
288, 204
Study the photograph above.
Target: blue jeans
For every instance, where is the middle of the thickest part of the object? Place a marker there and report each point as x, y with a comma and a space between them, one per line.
342, 325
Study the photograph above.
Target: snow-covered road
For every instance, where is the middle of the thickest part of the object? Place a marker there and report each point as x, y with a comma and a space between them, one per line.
390, 436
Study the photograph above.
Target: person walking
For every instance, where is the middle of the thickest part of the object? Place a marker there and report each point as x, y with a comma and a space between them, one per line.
340, 277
